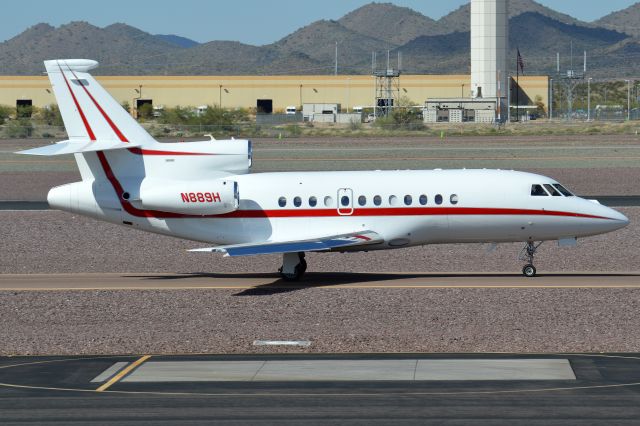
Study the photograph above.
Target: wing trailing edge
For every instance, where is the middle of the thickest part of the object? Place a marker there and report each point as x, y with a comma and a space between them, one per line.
315, 244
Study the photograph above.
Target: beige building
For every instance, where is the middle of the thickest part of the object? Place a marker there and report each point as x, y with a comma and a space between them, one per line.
278, 92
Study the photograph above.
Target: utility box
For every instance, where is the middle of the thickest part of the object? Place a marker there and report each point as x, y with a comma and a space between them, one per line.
349, 118
430, 115
309, 110
485, 116
455, 115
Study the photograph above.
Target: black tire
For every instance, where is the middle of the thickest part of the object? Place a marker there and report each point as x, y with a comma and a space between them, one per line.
297, 274
529, 271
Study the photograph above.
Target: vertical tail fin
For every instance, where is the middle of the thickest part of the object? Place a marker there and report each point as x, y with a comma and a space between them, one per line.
88, 111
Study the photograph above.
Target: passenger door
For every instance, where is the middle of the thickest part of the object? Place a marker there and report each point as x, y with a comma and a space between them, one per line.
345, 201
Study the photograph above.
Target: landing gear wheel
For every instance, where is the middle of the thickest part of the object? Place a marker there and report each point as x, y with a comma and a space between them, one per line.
293, 266
529, 271
295, 276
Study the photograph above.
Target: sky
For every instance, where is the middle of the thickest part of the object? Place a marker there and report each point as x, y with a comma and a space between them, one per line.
249, 21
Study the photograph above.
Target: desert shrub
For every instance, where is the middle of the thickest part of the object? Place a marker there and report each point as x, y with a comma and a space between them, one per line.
21, 128
51, 115
5, 113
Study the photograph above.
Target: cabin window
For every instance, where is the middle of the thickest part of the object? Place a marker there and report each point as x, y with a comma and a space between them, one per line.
423, 200
282, 201
362, 200
538, 191
454, 199
328, 201
393, 200
297, 201
408, 200
345, 201
313, 201
377, 200
552, 190
438, 199
564, 191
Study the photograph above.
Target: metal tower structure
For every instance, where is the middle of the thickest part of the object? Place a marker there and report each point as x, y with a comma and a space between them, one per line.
387, 86
571, 79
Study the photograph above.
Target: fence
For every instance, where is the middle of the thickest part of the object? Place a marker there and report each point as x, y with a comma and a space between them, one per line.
598, 114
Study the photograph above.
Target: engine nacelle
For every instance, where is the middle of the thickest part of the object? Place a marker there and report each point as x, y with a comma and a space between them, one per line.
200, 197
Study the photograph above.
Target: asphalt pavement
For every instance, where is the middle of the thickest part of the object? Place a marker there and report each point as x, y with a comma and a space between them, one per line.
55, 390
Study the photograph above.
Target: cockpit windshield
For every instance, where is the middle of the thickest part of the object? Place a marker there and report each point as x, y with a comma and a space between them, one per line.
546, 189
564, 191
538, 191
552, 190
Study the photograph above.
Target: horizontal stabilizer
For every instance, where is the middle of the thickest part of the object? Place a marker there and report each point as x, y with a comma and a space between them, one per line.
315, 244
78, 146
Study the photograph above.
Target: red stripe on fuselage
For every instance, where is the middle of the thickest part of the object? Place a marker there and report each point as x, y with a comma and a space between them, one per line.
142, 151
90, 133
381, 211
104, 114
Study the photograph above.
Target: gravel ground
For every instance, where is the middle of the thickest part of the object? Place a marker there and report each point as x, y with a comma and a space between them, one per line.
345, 320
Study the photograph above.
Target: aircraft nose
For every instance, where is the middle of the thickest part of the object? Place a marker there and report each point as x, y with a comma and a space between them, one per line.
618, 219
621, 218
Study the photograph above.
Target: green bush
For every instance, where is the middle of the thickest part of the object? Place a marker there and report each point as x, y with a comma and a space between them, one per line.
25, 111
145, 112
5, 113
51, 115
19, 128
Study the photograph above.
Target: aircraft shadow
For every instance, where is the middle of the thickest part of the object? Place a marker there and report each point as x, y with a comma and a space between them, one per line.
328, 279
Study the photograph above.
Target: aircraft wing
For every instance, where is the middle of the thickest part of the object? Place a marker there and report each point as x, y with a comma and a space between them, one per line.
314, 244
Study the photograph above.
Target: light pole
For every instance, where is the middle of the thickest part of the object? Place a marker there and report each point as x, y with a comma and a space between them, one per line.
628, 99
550, 99
589, 98
348, 93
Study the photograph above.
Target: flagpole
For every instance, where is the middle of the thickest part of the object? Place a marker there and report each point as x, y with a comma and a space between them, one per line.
517, 85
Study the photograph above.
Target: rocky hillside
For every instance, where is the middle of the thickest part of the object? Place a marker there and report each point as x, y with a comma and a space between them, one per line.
626, 20
428, 46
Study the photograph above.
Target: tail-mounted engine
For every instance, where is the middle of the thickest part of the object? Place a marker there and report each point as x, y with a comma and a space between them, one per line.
202, 197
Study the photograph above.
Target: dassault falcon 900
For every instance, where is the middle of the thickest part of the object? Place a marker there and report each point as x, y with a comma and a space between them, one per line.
203, 191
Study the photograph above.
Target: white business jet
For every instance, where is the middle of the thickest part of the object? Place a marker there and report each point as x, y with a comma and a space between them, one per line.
203, 191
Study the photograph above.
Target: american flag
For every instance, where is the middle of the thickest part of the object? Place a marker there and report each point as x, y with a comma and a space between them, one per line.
520, 62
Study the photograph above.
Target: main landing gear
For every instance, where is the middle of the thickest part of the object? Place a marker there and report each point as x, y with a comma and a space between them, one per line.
527, 254
293, 266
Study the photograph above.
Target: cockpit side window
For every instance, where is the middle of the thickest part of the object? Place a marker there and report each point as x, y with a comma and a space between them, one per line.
552, 190
563, 190
538, 191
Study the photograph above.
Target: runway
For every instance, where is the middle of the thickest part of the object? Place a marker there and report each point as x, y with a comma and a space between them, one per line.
411, 388
329, 281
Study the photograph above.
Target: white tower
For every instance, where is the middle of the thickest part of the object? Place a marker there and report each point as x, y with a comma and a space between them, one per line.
489, 44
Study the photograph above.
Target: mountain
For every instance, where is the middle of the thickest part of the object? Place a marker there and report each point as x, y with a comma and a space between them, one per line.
626, 20
118, 47
318, 42
385, 21
427, 46
177, 40
437, 54
459, 19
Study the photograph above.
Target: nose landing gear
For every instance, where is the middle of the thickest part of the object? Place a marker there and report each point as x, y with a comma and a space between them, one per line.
526, 255
293, 266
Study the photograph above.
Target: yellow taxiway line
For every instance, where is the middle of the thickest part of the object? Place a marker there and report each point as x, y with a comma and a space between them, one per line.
115, 379
325, 281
